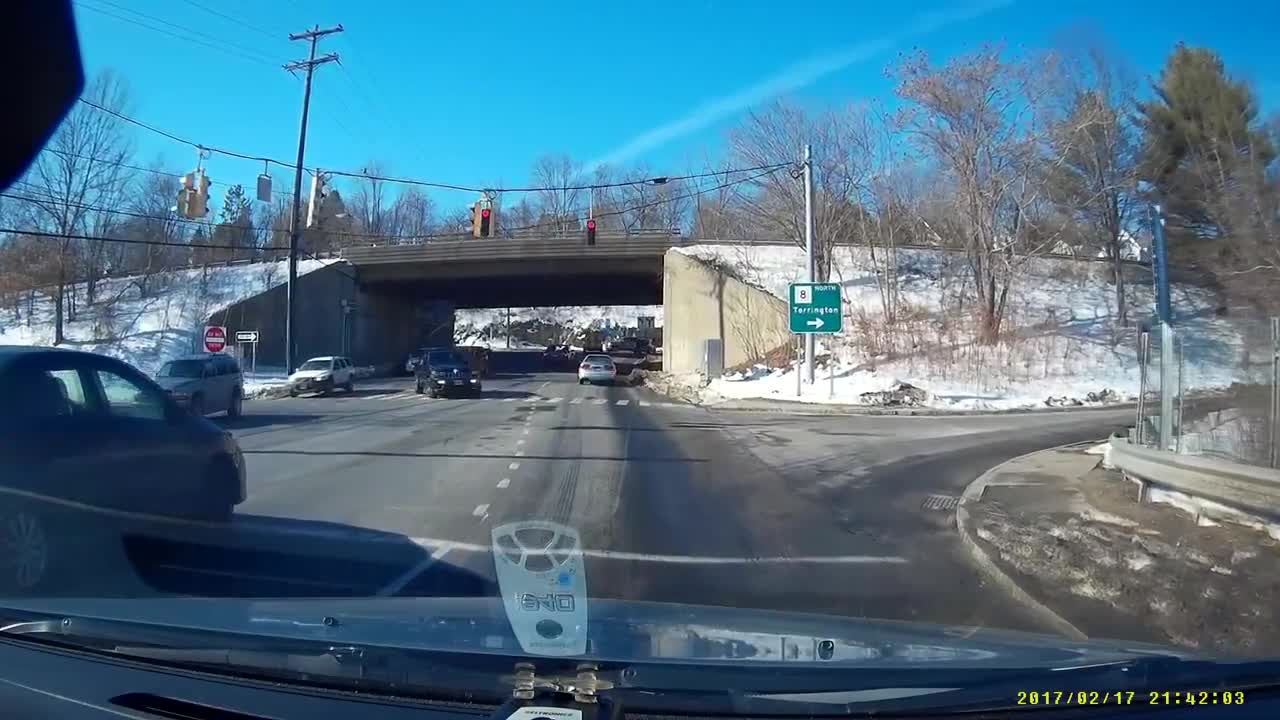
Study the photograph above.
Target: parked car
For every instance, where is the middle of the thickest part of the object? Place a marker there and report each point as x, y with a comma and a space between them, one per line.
446, 372
597, 368
205, 383
88, 443
322, 375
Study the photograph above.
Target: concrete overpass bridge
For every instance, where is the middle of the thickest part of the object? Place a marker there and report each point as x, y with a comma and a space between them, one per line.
379, 302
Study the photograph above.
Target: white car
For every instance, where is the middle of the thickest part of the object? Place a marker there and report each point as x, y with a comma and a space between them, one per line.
597, 368
322, 375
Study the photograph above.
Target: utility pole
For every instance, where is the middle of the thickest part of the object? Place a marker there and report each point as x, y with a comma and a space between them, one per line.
810, 342
295, 225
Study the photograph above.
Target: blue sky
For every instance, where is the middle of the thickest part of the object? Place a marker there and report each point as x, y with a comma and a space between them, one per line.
473, 93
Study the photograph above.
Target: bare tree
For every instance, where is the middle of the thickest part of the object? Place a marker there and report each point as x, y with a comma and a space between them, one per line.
778, 134
370, 204
154, 198
412, 215
559, 205
1095, 185
976, 119
79, 179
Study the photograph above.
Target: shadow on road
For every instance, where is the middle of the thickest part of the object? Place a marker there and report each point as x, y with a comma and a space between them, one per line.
475, 456
500, 394
246, 422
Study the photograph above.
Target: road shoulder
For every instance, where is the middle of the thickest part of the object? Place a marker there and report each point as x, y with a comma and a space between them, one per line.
1069, 540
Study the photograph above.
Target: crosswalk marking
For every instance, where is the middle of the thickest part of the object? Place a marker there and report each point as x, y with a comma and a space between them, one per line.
576, 401
407, 397
553, 400
624, 402
598, 401
644, 403
508, 399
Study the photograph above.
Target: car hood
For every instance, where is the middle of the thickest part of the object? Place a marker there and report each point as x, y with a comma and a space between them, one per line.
618, 631
178, 383
308, 374
450, 369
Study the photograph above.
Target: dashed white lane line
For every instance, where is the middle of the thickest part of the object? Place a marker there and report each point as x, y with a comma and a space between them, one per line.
504, 483
481, 510
644, 403
508, 399
520, 441
513, 466
544, 384
437, 552
599, 401
576, 401
519, 453
526, 431
553, 401
623, 402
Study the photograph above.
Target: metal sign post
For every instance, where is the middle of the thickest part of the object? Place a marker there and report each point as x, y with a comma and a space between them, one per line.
815, 309
250, 338
1160, 264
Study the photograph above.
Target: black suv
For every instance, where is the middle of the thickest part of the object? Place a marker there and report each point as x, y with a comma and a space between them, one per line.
445, 372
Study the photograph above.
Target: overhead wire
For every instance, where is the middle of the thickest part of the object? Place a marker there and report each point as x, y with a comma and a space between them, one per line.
433, 184
236, 20
192, 36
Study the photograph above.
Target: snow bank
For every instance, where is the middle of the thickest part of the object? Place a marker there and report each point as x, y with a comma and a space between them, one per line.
146, 331
1064, 342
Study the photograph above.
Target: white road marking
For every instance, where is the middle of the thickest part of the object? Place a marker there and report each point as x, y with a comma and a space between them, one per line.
599, 401
576, 401
695, 559
480, 510
434, 555
623, 402
520, 441
544, 384
668, 405
513, 466
504, 483
526, 431
553, 400
519, 453
644, 403
508, 399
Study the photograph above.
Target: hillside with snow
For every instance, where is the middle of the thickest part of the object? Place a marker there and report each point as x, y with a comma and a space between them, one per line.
1061, 342
146, 329
488, 326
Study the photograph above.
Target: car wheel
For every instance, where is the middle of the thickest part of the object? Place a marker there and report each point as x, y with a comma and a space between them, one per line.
236, 407
197, 405
417, 387
582, 381
349, 386
25, 549
217, 503
293, 393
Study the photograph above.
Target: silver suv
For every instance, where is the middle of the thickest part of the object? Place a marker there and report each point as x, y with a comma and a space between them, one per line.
205, 383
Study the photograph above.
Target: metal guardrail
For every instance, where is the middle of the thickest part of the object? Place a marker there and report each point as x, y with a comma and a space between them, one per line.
1242, 487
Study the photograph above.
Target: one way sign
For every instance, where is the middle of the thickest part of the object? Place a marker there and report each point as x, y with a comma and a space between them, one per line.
815, 308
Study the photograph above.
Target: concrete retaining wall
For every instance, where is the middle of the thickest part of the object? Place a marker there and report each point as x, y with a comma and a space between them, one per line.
702, 302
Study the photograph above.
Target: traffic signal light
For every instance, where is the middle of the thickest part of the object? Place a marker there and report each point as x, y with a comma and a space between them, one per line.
193, 197
319, 189
482, 221
591, 231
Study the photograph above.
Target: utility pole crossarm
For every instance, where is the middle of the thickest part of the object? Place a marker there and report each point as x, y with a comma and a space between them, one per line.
308, 64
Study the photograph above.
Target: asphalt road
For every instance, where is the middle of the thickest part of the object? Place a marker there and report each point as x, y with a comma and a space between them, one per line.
385, 492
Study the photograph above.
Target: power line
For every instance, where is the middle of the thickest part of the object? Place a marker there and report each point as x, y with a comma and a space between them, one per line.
212, 43
131, 241
236, 20
438, 185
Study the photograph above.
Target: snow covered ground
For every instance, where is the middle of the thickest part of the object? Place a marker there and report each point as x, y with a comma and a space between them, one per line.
487, 327
1063, 339
145, 331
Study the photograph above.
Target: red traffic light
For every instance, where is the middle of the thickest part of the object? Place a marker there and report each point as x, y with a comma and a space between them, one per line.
484, 213
591, 224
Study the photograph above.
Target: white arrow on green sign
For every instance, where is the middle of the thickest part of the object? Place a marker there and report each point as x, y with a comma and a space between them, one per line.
815, 308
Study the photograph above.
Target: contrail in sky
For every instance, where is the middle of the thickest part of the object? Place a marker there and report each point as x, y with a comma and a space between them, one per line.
792, 77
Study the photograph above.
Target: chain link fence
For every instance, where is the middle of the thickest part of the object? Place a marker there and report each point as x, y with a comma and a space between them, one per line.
1240, 423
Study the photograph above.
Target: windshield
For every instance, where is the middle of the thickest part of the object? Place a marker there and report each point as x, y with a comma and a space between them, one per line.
448, 357
936, 322
183, 369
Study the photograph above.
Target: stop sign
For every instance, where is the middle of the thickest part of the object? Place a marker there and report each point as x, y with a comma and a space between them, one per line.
215, 338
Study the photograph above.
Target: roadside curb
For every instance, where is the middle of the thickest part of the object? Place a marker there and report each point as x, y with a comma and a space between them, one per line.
797, 408
987, 565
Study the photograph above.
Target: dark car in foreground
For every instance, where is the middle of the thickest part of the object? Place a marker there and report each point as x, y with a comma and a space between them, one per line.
446, 372
88, 442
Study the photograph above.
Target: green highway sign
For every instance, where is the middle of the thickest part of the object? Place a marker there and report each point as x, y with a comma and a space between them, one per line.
815, 308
